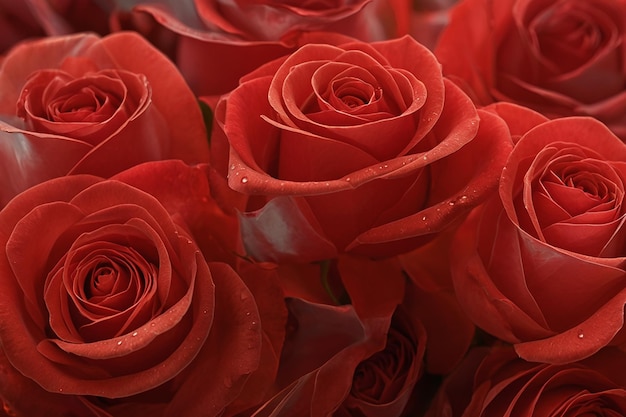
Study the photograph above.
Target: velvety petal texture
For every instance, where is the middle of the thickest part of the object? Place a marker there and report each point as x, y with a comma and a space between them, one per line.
367, 143
561, 58
81, 104
495, 382
555, 232
124, 313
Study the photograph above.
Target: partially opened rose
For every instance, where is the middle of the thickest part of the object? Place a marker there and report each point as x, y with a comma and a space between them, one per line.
109, 304
84, 104
561, 58
542, 265
357, 147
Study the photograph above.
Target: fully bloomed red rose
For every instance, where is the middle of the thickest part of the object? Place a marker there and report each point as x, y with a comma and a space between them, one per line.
497, 383
261, 31
113, 310
542, 264
560, 58
358, 147
84, 104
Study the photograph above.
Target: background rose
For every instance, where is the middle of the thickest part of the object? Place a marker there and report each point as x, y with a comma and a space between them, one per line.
358, 147
556, 232
366, 357
71, 16
17, 23
116, 304
260, 31
362, 358
558, 57
498, 383
83, 104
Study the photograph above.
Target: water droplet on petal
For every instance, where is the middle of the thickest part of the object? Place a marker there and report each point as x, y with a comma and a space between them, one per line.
119, 342
205, 311
424, 218
232, 167
348, 179
580, 334
244, 180
135, 334
451, 203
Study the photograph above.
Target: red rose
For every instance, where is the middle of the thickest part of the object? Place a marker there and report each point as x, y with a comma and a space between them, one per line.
497, 383
114, 309
560, 58
542, 265
83, 104
359, 147
262, 31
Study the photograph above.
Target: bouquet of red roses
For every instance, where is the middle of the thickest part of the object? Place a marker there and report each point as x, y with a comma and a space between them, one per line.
368, 208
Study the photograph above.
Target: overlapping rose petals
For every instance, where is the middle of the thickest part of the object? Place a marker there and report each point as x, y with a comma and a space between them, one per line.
558, 58
69, 104
495, 382
342, 124
166, 330
555, 232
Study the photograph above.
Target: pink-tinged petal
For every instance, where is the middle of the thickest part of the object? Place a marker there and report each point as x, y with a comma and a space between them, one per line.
30, 158
284, 229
